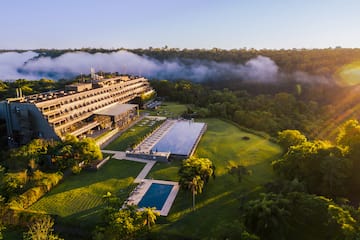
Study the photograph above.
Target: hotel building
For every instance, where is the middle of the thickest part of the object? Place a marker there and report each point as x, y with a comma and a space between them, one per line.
77, 110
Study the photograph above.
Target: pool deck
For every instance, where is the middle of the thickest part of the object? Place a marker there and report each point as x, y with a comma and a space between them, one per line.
144, 184
148, 143
141, 189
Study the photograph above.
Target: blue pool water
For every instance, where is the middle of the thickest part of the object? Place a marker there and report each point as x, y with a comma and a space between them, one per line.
180, 139
156, 196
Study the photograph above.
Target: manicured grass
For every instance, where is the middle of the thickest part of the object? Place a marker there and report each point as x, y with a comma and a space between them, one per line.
222, 143
165, 171
78, 200
133, 135
169, 109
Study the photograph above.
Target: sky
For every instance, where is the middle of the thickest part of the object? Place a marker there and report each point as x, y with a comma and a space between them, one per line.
227, 24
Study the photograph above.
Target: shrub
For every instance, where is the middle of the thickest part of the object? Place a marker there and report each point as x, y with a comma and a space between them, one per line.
27, 198
48, 180
44, 183
76, 169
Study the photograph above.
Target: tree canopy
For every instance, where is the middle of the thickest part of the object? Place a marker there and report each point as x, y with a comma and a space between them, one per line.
194, 174
288, 138
126, 223
299, 216
41, 229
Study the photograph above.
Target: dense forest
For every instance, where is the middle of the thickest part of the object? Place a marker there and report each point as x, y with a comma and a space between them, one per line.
316, 111
313, 61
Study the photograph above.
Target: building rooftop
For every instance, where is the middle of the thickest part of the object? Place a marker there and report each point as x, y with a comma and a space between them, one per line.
74, 88
115, 109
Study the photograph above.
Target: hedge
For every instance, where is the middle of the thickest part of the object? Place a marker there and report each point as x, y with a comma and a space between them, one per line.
44, 185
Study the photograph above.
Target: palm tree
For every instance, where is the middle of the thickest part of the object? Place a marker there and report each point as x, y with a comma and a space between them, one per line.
194, 174
107, 197
149, 215
195, 185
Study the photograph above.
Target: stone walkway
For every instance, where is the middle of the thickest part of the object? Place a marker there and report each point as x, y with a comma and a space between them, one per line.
122, 156
144, 172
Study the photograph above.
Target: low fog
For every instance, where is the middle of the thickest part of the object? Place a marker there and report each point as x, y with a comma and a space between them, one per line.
30, 65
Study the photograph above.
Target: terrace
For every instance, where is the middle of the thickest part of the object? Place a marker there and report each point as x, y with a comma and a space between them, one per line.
147, 145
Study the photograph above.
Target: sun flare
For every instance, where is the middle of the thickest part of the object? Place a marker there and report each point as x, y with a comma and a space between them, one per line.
349, 74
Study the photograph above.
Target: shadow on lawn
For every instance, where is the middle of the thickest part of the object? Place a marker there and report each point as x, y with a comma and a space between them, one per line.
81, 224
220, 202
85, 218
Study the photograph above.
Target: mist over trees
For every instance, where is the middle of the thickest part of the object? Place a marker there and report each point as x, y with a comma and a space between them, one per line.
265, 65
312, 61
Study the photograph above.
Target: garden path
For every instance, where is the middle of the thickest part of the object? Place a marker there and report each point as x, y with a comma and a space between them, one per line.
120, 155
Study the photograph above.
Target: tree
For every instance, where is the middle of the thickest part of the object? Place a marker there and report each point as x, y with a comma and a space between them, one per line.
336, 172
122, 225
232, 230
32, 152
149, 215
107, 197
2, 213
124, 222
41, 229
14, 183
195, 186
349, 136
88, 150
240, 171
2, 228
268, 216
342, 224
191, 167
127, 223
321, 166
288, 138
297, 215
194, 174
72, 151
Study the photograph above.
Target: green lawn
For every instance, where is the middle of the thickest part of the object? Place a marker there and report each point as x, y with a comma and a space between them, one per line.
165, 171
133, 135
223, 144
169, 109
78, 200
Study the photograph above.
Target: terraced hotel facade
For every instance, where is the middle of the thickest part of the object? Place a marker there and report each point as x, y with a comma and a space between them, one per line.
77, 110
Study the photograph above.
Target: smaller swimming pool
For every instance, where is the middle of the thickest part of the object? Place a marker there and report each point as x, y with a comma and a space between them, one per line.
156, 196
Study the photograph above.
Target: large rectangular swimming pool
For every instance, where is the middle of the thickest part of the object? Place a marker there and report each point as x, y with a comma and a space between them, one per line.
156, 196
181, 138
